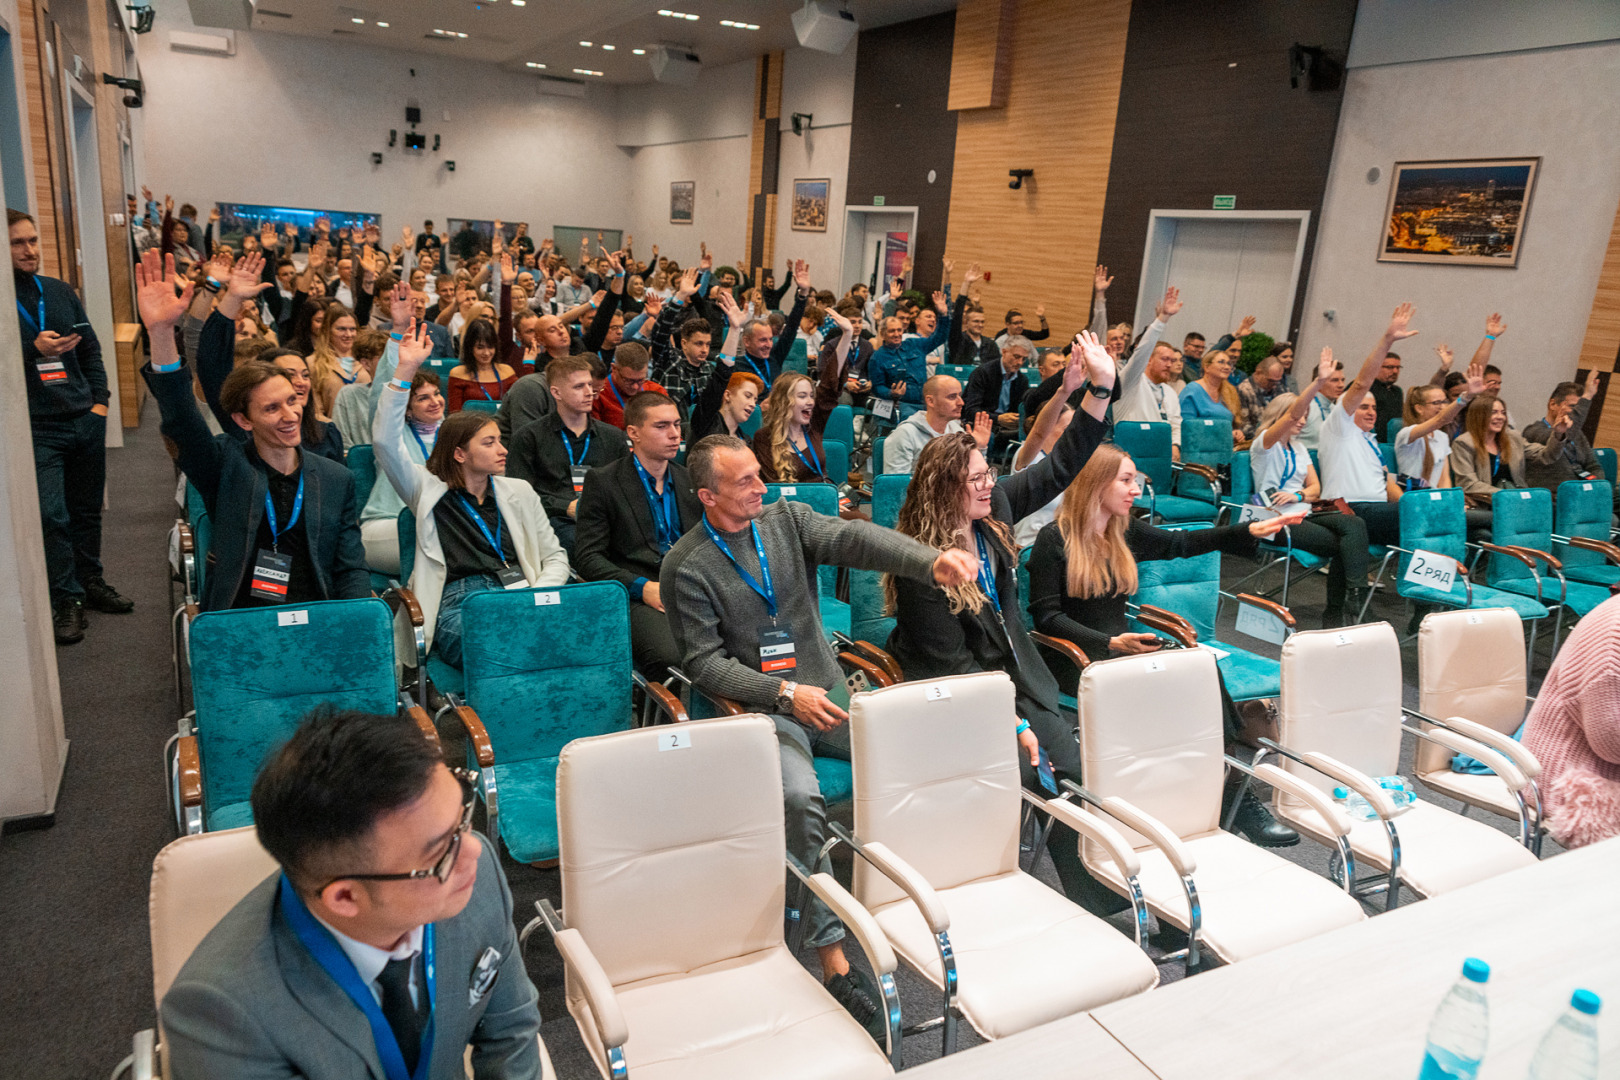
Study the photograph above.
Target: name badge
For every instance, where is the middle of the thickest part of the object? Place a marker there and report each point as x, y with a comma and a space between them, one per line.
50, 370
511, 577
272, 572
776, 650
883, 409
578, 472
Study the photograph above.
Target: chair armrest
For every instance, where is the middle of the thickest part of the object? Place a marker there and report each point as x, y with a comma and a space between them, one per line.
1497, 763
726, 706
1269, 605
875, 675
192, 611
1356, 781
425, 723
188, 542
1505, 745
1536, 553
1091, 827
1520, 554
1157, 834
144, 1058
1204, 471
593, 983
1608, 551
1331, 812
477, 735
407, 601
849, 911
1167, 623
911, 883
1071, 652
666, 702
190, 771
881, 658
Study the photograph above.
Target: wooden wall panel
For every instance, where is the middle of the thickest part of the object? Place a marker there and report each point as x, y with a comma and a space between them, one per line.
1601, 349
38, 83
1067, 60
764, 160
981, 56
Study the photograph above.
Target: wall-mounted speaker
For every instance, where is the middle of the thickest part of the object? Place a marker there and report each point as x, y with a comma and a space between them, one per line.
824, 27
674, 65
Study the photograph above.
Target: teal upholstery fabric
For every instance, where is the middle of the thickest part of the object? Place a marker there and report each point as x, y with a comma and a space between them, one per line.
445, 679
1584, 509
202, 536
407, 544
867, 620
1576, 596
960, 372
1606, 458
840, 426
363, 467
1203, 442
1433, 520
877, 454
1525, 607
837, 460
254, 680
798, 357
1242, 490
1023, 584
1387, 450
823, 499
1521, 517
1249, 675
540, 675
835, 617
230, 816
1149, 447
747, 428
837, 780
480, 405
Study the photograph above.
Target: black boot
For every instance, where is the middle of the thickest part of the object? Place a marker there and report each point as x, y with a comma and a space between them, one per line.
100, 596
1255, 822
67, 619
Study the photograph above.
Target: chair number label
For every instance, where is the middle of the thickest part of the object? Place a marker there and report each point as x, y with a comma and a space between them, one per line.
936, 692
1259, 623
1341, 639
543, 599
1153, 663
292, 618
1474, 618
1434, 571
674, 740
790, 490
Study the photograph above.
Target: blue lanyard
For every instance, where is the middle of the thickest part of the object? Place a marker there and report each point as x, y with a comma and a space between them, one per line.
765, 591
663, 507
478, 520
348, 381
764, 377
325, 951
37, 321
1293, 461
270, 512
987, 577
1321, 409
814, 461
426, 453
568, 445
1378, 455
616, 395
483, 387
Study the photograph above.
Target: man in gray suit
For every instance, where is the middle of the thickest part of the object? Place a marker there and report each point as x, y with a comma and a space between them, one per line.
385, 947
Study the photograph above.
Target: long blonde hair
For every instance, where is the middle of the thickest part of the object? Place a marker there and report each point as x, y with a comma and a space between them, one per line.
1410, 418
932, 514
1479, 427
774, 422
323, 362
1099, 564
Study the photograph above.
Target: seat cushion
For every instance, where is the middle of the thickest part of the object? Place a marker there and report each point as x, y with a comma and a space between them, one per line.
445, 679
1440, 850
1176, 508
1248, 675
835, 617
1484, 790
757, 1015
1578, 597
230, 816
527, 796
1251, 900
837, 780
1526, 607
1604, 575
1025, 955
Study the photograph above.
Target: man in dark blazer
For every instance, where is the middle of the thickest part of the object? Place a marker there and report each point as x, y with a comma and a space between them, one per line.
630, 514
285, 525
998, 386
386, 939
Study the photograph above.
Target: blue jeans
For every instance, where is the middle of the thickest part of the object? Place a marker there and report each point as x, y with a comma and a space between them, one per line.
447, 631
70, 469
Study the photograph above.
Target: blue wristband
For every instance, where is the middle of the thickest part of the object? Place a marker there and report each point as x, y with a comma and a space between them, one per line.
399, 384
396, 336
1023, 726
176, 366
1490, 337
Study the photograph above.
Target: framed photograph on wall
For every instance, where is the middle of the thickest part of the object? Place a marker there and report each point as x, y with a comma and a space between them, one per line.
1460, 213
682, 200
810, 205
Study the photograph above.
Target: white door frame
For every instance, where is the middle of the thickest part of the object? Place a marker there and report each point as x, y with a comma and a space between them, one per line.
85, 164
850, 214
1160, 239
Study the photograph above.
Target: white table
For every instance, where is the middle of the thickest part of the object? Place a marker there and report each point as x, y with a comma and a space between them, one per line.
1075, 1046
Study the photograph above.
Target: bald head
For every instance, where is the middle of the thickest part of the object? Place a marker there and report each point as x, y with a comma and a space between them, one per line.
552, 336
942, 397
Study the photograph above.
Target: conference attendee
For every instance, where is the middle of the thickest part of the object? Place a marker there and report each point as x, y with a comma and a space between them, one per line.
1213, 397
1283, 351
384, 946
1490, 456
285, 524
481, 375
379, 518
998, 386
1014, 327
631, 513
1259, 390
1391, 399
1574, 732
1050, 367
1192, 356
954, 502
626, 378
428, 241
476, 528
443, 347
1310, 437
1144, 380
680, 342
760, 353
332, 365
555, 452
968, 345
1576, 461
794, 419
942, 410
1422, 445
67, 416
351, 413
741, 596
899, 366
1051, 423
1284, 477
1353, 467
1084, 568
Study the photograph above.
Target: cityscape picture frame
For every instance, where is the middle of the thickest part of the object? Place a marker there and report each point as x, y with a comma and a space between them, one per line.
810, 202
682, 201
1459, 212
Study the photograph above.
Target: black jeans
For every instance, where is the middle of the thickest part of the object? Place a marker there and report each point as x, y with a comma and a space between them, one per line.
563, 526
1341, 538
70, 467
1061, 741
652, 642
1383, 521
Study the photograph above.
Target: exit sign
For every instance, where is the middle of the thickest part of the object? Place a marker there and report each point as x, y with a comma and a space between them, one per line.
877, 200
1226, 202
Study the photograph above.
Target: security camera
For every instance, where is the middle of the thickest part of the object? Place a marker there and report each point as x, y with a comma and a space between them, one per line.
376, 157
134, 86
1018, 176
450, 165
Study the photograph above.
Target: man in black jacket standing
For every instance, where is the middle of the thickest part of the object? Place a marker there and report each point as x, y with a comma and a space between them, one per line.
67, 410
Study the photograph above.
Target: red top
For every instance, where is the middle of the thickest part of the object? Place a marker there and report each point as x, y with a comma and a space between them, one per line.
610, 403
462, 391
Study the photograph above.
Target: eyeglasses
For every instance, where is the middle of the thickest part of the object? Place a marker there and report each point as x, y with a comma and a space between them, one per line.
983, 479
446, 863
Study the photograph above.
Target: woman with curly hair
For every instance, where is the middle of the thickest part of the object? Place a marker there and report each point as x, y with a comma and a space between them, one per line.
788, 442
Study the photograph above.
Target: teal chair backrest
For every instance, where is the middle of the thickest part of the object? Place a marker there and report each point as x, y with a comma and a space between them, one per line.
960, 372
363, 467
798, 357
202, 535
867, 620
823, 499
256, 672
877, 454
1189, 587
406, 526
1387, 451
1206, 442
1584, 509
1519, 517
194, 504
747, 428
841, 425
1242, 485
1023, 584
837, 460
888, 494
1393, 428
480, 405
1433, 520
1149, 446
547, 666
1606, 458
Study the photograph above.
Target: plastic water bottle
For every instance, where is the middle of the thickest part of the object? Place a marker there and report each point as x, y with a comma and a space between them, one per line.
1400, 792
1354, 805
1569, 1051
1460, 1027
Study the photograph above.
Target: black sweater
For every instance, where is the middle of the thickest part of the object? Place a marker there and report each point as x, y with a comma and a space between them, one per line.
86, 381
538, 456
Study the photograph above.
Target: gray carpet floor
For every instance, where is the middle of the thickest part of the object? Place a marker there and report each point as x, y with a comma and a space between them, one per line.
75, 971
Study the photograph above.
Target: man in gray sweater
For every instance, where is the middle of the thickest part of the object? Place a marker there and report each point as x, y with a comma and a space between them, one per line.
741, 598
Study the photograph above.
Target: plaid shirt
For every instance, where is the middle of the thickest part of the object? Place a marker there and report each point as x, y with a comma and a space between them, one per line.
680, 380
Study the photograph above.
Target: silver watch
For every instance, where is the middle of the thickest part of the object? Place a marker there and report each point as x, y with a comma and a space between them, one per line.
784, 697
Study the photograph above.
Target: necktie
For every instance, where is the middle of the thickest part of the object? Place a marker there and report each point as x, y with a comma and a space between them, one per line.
400, 1011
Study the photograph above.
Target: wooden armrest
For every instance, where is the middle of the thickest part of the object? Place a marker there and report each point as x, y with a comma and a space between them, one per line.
425, 723
188, 542
1536, 553
192, 611
1071, 652
1167, 623
726, 705
1608, 551
875, 676
1204, 471
190, 771
1269, 605
478, 735
407, 600
1510, 552
666, 702
882, 659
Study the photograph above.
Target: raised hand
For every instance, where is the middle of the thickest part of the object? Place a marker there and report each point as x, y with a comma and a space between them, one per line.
688, 285
1100, 279
894, 288
971, 275
414, 348
1443, 351
629, 242
213, 215
905, 266
369, 261
1167, 307
219, 266
950, 265
1099, 363
1246, 327
291, 229
267, 235
1591, 384
245, 279
1264, 527
706, 262
1324, 366
506, 266
497, 240
1040, 309
734, 314
401, 305
317, 256
155, 295
982, 425
941, 305
801, 275
1494, 325
1398, 321
653, 304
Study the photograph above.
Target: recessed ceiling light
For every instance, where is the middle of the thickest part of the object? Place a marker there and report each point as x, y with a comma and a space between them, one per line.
585, 71
739, 25
667, 13
610, 48
639, 52
586, 44
519, 3
362, 22
383, 25
538, 67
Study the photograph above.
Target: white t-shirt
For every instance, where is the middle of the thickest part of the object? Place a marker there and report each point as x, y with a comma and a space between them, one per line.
1310, 437
1150, 401
1284, 467
1026, 528
1409, 454
1352, 465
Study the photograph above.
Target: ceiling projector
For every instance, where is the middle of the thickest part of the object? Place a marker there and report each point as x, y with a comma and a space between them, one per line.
823, 27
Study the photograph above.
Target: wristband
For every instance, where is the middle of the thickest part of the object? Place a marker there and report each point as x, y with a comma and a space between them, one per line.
168, 367
1023, 726
399, 384
1490, 337
396, 336
1099, 391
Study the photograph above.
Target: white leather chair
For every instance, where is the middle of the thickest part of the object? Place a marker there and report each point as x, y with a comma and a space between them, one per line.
1471, 680
673, 887
1341, 725
937, 800
1152, 753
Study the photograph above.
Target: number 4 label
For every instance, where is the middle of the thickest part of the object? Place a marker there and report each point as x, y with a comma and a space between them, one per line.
1431, 570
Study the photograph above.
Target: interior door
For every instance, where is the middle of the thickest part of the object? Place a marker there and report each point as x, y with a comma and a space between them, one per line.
1227, 269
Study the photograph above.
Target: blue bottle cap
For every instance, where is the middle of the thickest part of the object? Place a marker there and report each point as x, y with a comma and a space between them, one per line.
1341, 793
1476, 970
1584, 1001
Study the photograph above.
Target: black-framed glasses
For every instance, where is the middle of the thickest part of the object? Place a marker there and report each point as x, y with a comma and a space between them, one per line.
442, 867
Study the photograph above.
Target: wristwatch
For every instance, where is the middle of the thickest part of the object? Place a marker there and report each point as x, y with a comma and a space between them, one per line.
784, 698
1099, 391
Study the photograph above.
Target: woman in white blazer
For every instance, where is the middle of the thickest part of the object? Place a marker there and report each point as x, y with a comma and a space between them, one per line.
476, 529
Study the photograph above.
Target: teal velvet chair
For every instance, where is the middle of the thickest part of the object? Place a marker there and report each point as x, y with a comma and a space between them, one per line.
1521, 541
823, 499
867, 620
837, 461
255, 674
193, 573
746, 429
1149, 447
1274, 553
1606, 458
877, 455
1208, 443
1582, 541
840, 425
1432, 520
543, 667
362, 465
480, 405
798, 357
960, 372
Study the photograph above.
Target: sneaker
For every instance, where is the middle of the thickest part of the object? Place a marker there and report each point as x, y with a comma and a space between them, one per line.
100, 596
67, 618
1255, 822
859, 996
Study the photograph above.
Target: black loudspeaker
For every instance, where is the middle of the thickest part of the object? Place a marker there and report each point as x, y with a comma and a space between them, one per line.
1311, 66
415, 140
413, 115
